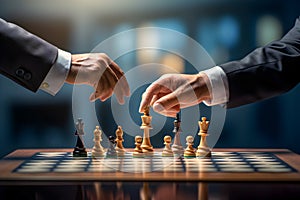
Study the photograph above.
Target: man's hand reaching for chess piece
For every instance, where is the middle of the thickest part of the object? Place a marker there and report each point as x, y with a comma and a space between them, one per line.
172, 92
265, 72
100, 72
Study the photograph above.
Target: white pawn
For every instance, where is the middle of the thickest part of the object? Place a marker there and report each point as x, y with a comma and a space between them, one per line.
167, 152
98, 150
138, 151
189, 152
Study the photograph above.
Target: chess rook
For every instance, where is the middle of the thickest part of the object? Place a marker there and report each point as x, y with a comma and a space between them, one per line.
98, 150
203, 149
177, 146
167, 151
189, 152
119, 142
79, 150
146, 126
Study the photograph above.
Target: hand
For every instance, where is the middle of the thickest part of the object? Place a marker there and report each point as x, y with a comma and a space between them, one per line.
100, 72
171, 92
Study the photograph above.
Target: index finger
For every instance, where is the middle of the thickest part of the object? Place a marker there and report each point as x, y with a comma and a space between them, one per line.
147, 96
120, 74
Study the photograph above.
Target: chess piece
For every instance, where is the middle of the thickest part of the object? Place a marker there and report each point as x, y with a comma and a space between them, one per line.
189, 152
146, 126
98, 150
111, 151
177, 146
79, 150
119, 141
138, 151
203, 149
167, 152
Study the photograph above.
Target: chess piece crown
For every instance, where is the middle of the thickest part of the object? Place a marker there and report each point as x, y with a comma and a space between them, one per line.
146, 118
203, 149
97, 132
204, 124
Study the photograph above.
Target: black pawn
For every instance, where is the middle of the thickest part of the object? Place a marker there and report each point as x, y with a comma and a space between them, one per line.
111, 151
79, 150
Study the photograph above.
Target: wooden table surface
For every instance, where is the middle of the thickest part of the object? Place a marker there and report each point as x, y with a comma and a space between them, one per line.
14, 159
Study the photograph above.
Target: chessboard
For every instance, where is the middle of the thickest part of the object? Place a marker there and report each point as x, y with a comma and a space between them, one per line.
48, 165
234, 173
46, 162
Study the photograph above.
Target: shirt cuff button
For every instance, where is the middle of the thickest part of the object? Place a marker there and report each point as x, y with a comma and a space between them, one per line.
45, 85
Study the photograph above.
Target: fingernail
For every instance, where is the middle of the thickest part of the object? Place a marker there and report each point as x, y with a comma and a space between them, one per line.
140, 109
157, 107
121, 101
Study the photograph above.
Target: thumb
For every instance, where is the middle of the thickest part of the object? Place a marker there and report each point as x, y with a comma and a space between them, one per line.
165, 103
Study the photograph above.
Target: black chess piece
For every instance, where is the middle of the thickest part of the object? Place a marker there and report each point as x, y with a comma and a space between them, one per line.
79, 150
177, 146
177, 122
111, 151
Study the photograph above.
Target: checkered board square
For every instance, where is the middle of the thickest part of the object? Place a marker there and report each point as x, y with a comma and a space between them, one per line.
45, 162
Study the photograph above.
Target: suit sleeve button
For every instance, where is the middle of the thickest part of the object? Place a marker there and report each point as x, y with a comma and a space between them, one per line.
27, 76
20, 72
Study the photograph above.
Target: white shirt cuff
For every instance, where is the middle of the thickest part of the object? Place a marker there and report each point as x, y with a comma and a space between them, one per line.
58, 73
217, 86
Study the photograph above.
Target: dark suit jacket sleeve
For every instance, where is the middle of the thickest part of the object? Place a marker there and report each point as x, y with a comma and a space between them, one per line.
24, 57
265, 72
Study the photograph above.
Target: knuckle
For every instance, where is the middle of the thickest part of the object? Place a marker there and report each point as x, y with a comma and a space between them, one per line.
103, 55
102, 62
166, 76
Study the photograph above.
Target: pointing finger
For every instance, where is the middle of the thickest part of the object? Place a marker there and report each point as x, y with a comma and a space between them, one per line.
152, 90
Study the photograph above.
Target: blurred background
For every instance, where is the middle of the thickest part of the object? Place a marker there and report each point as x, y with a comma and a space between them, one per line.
227, 29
